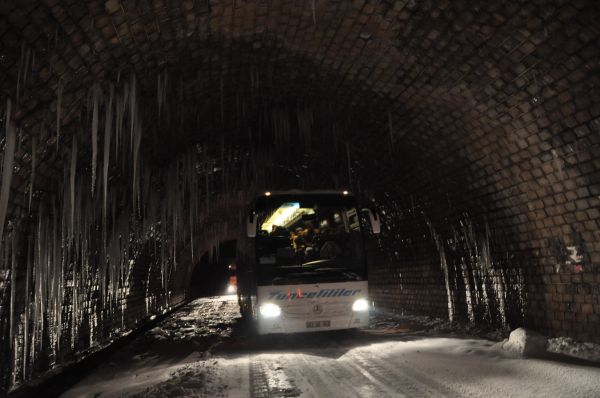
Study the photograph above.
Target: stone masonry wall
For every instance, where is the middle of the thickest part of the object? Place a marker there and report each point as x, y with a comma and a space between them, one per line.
479, 141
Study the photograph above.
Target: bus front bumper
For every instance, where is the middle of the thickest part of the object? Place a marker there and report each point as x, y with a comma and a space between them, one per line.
287, 324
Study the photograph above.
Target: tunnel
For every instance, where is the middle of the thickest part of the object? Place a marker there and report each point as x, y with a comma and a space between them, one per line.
134, 133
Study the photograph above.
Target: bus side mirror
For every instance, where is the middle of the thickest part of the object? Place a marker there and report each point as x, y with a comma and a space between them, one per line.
251, 226
375, 221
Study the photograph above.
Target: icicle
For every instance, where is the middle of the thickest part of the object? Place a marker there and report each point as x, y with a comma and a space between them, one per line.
159, 94
349, 164
57, 279
207, 193
132, 110
107, 134
13, 287
33, 156
7, 168
72, 187
21, 71
32, 61
222, 99
95, 94
26, 310
444, 265
59, 93
392, 138
119, 105
136, 152
162, 89
19, 140
26, 65
191, 213
314, 12
39, 285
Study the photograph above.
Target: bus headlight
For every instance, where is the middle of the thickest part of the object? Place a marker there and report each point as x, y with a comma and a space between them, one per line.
360, 305
270, 310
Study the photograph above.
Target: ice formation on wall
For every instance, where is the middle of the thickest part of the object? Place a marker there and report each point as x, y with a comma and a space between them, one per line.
33, 165
59, 94
67, 266
482, 284
95, 97
7, 166
70, 272
484, 279
439, 244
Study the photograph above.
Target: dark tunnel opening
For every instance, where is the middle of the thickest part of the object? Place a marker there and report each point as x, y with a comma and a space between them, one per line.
211, 274
135, 134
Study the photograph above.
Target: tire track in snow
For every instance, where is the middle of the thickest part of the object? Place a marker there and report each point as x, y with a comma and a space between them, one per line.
269, 378
336, 378
312, 379
371, 385
406, 381
346, 374
259, 386
377, 381
388, 386
329, 381
403, 378
442, 389
397, 383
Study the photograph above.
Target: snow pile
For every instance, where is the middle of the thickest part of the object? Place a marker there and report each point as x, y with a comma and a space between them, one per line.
158, 333
568, 346
206, 317
198, 380
199, 351
399, 323
525, 343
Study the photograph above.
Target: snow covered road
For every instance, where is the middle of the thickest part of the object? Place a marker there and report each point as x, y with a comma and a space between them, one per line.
203, 351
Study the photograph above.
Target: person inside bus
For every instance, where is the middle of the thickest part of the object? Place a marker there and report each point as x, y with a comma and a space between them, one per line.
278, 230
297, 238
304, 241
330, 250
331, 228
310, 232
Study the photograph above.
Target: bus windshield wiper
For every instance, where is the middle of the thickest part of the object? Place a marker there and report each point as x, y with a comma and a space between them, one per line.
316, 263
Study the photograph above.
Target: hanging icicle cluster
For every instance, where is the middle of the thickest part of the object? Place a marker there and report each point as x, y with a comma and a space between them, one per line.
73, 264
70, 272
7, 166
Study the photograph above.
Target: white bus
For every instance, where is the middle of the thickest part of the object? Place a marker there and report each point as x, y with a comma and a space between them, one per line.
302, 267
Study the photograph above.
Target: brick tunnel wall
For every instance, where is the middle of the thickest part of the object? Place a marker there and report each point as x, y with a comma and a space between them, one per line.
44, 328
88, 321
506, 265
473, 127
506, 219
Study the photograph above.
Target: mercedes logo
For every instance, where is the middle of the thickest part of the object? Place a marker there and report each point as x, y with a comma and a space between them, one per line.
317, 309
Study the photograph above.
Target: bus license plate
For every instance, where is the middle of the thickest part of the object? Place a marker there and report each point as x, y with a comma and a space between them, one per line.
318, 324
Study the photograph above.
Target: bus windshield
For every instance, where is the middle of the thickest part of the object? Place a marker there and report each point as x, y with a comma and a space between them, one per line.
307, 242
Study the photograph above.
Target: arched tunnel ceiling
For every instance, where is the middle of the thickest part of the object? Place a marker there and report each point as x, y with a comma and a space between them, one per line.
462, 122
449, 80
